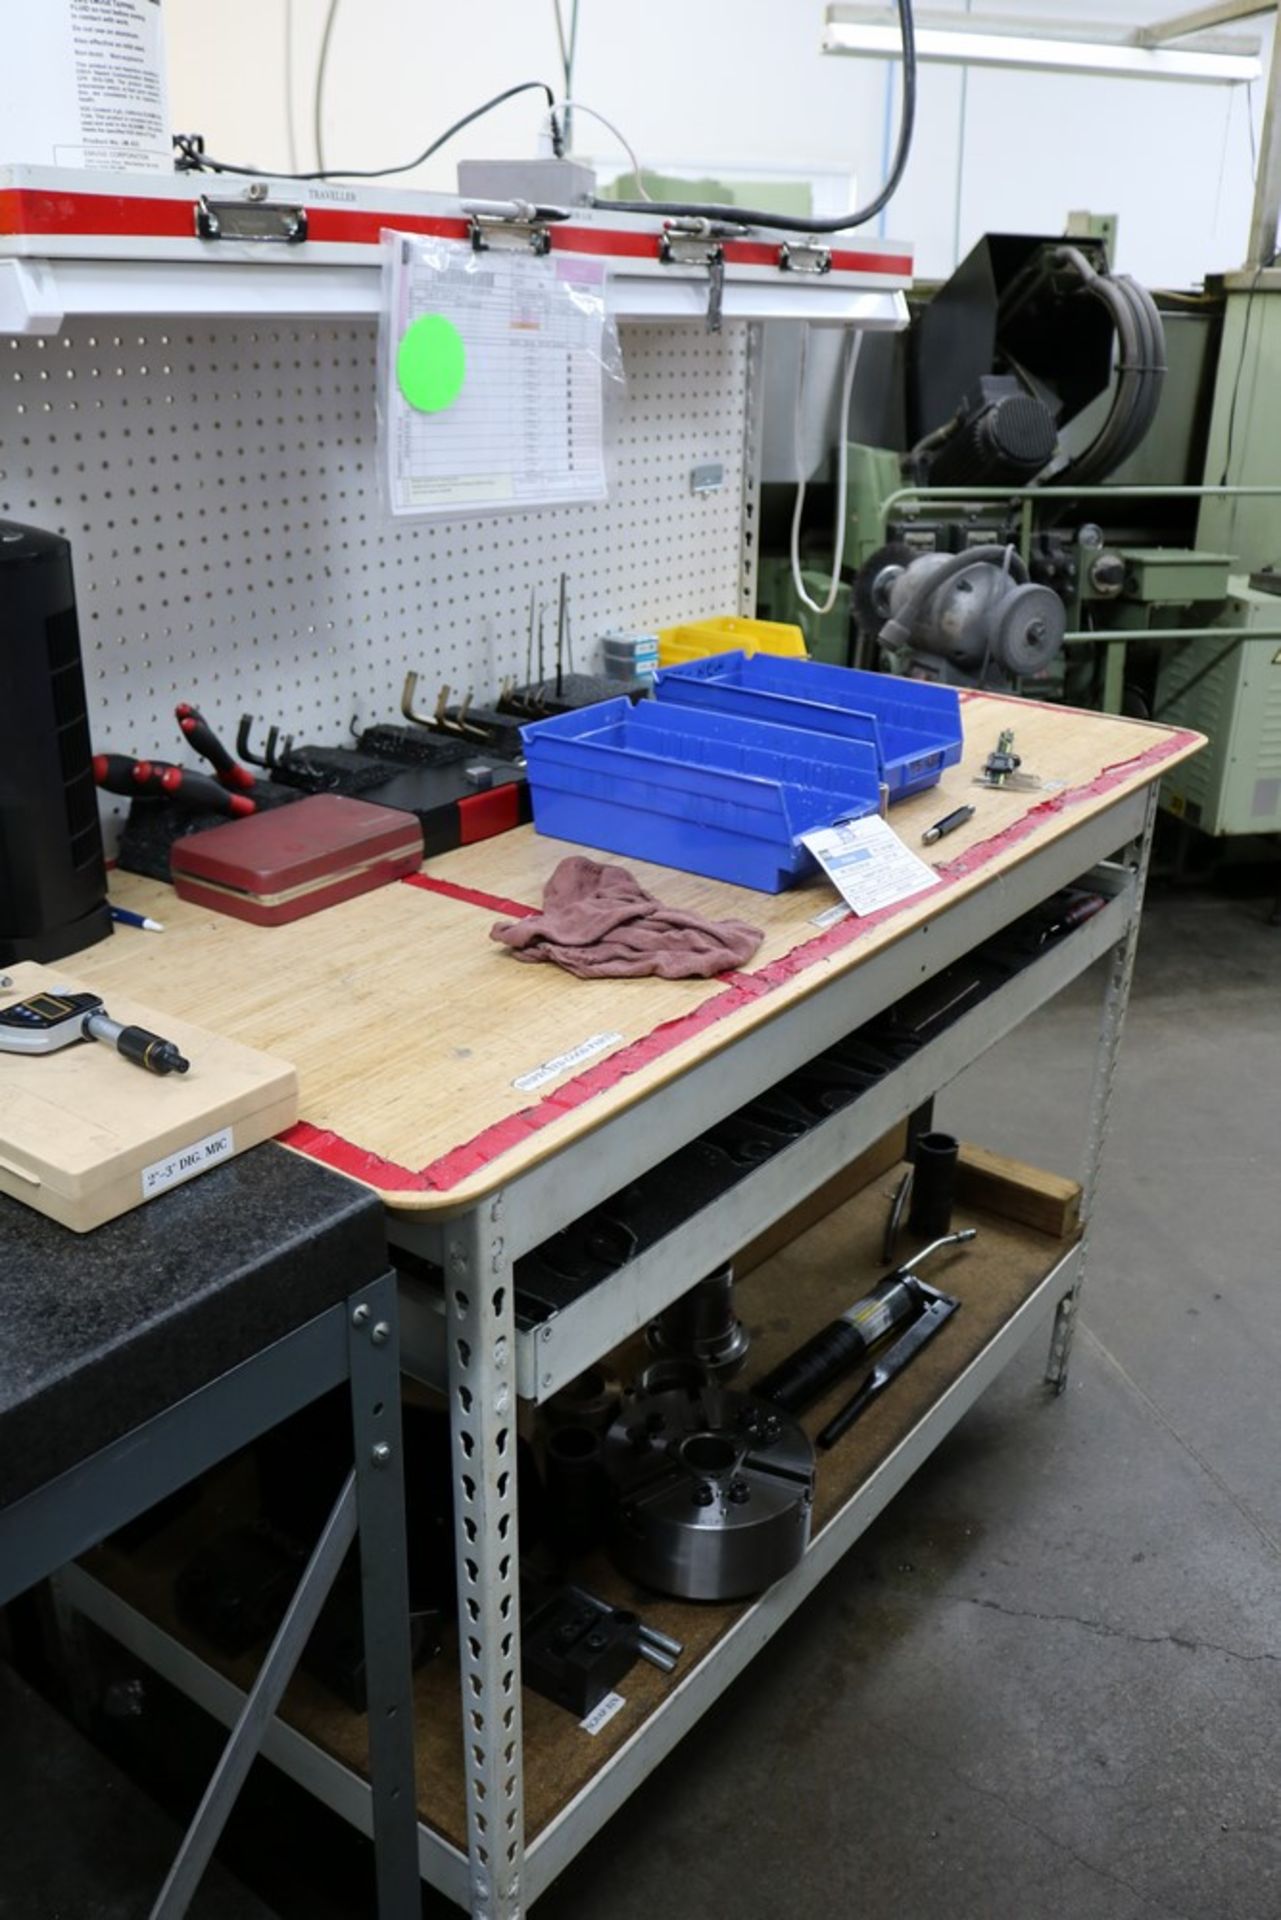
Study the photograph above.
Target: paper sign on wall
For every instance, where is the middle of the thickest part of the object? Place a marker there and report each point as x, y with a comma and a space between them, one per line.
491, 378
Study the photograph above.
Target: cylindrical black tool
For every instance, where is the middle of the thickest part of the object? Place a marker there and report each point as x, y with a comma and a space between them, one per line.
145, 1049
934, 1185
577, 1490
591, 1400
806, 1375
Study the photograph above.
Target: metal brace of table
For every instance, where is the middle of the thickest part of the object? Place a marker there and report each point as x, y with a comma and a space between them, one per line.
354, 1341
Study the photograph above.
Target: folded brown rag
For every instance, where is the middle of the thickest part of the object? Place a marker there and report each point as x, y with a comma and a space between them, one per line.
600, 923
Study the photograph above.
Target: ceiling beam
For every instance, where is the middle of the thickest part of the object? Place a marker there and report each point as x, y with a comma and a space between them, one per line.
848, 31
1222, 14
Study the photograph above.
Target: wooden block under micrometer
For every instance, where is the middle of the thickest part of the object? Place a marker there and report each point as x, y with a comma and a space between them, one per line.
85, 1135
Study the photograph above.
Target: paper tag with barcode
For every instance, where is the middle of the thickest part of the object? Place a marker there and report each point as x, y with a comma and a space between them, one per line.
868, 863
601, 1714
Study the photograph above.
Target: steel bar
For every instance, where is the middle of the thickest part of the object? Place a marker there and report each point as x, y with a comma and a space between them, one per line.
260, 1705
1224, 14
1106, 635
1034, 53
1012, 494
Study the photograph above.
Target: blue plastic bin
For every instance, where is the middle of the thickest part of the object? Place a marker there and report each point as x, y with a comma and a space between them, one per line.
707, 792
915, 727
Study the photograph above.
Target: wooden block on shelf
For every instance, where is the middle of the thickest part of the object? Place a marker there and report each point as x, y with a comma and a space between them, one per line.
997, 1184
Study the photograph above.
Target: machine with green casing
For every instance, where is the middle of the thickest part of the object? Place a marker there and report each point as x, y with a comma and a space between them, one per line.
827, 635
1158, 560
1234, 698
1230, 690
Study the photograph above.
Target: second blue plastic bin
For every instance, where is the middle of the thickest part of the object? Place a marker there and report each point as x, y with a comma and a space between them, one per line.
710, 793
914, 726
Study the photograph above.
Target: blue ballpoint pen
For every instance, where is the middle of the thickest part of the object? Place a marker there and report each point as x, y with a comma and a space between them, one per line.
128, 918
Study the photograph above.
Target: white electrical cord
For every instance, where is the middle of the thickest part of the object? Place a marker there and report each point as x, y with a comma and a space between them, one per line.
576, 106
853, 342
318, 88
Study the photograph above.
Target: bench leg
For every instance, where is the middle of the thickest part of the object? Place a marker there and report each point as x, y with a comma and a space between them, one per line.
371, 1506
384, 1591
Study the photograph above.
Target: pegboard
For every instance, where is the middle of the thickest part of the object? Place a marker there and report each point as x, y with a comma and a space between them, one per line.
217, 480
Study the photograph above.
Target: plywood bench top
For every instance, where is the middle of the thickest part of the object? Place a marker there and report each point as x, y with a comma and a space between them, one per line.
410, 1028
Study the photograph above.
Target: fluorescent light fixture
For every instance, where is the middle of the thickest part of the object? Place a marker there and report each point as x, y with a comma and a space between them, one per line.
864, 31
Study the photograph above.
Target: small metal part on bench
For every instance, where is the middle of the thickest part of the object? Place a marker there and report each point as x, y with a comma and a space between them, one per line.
703, 1326
1002, 770
714, 1492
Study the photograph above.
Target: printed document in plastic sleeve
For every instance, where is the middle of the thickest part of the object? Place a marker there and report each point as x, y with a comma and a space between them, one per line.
491, 369
868, 863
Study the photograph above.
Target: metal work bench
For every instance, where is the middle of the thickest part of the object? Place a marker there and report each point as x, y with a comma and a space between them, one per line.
491, 1104
138, 1356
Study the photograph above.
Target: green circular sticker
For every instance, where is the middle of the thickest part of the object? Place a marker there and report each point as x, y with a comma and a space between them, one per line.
431, 363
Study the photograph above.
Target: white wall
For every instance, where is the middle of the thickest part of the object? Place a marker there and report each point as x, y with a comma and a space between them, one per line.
739, 83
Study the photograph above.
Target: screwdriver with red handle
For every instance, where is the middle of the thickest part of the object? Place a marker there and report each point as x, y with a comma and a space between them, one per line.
117, 773
199, 734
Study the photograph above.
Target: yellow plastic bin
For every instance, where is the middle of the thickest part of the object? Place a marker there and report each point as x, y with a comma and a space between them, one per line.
728, 634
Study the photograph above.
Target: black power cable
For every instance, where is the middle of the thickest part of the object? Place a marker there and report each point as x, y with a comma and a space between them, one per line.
192, 159
790, 223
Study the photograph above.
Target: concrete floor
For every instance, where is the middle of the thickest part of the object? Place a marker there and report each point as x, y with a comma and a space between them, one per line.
1048, 1681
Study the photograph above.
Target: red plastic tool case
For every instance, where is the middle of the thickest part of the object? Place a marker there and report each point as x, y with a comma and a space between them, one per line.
280, 866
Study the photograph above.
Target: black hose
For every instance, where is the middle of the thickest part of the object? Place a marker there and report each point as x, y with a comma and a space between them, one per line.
1141, 368
790, 223
897, 632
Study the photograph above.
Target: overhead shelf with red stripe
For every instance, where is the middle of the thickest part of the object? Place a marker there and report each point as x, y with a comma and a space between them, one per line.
76, 243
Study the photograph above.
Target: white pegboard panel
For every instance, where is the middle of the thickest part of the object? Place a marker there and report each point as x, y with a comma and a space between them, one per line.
217, 483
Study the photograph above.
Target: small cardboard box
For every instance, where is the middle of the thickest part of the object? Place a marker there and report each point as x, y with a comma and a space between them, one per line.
85, 1135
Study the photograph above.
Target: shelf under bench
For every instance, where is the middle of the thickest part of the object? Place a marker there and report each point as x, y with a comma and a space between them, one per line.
1009, 1283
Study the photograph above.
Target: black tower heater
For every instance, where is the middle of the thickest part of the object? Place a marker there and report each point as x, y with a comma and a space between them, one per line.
53, 881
